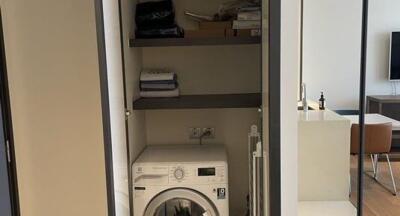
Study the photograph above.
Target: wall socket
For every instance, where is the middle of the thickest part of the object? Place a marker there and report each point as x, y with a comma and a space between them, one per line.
197, 132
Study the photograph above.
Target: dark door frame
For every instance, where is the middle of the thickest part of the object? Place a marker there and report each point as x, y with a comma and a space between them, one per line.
274, 65
105, 106
274, 106
8, 126
361, 120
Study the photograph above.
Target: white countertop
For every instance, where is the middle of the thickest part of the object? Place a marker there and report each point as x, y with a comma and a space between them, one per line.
319, 115
316, 114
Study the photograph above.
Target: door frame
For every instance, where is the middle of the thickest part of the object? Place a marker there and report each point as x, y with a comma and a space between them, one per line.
274, 67
7, 124
105, 106
361, 120
274, 105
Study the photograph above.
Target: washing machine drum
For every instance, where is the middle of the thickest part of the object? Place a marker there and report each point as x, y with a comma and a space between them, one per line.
180, 202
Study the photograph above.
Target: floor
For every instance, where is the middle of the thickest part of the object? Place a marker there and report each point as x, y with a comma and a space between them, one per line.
327, 208
378, 201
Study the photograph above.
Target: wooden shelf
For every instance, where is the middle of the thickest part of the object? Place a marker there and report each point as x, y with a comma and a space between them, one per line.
249, 100
166, 42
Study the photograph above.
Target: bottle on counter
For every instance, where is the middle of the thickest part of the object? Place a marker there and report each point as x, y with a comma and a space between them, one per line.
322, 102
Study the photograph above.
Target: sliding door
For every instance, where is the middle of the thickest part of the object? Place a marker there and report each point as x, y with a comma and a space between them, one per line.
5, 187
113, 99
8, 182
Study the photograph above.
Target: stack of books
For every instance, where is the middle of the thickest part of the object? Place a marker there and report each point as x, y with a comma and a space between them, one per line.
158, 83
248, 20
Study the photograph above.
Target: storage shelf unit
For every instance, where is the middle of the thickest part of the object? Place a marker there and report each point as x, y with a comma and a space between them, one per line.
249, 100
167, 42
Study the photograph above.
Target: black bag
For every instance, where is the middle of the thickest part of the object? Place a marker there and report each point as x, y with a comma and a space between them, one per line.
153, 15
173, 32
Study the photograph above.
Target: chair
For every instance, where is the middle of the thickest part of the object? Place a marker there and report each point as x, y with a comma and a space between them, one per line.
378, 141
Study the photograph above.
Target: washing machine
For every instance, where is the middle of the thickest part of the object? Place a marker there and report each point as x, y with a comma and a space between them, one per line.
185, 180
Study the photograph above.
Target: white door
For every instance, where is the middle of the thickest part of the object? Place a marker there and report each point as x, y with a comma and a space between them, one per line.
115, 79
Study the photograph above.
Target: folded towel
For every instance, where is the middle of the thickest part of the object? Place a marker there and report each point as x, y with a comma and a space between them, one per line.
156, 82
159, 94
157, 75
155, 87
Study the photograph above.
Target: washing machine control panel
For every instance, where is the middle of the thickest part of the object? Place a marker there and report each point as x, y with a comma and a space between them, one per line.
198, 174
179, 173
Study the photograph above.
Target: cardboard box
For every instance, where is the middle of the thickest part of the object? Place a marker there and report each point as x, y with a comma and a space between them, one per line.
243, 32
248, 32
205, 33
230, 33
216, 25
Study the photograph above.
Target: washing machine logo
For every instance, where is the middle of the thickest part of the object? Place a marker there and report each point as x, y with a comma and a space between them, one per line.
221, 193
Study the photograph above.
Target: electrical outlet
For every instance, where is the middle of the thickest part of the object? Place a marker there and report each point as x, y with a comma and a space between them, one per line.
195, 132
209, 131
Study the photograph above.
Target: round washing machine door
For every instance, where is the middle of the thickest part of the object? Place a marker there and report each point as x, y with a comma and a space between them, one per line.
180, 202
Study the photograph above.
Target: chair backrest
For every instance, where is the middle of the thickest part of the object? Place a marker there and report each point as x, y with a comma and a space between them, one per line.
378, 138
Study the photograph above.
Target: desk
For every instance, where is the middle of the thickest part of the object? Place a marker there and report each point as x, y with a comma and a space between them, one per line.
387, 105
375, 119
379, 119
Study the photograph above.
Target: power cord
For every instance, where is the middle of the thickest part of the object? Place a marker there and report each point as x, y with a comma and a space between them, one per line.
394, 91
205, 133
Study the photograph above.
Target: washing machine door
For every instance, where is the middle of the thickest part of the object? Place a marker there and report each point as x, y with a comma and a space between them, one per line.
180, 202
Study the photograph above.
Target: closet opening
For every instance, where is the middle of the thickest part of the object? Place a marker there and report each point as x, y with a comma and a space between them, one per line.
185, 106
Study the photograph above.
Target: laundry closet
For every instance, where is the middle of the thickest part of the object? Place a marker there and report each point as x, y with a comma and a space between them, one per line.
221, 83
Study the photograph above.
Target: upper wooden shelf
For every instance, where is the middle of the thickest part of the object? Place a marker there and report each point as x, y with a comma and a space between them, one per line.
248, 100
168, 42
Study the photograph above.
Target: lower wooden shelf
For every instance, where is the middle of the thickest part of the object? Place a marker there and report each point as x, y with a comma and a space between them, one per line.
247, 100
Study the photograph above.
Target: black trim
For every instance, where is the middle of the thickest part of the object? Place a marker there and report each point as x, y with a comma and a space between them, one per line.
274, 107
105, 106
7, 124
364, 41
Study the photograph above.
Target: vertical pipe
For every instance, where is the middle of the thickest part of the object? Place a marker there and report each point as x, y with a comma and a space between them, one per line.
301, 48
364, 35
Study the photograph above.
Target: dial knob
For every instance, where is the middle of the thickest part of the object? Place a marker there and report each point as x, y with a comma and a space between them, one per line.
179, 173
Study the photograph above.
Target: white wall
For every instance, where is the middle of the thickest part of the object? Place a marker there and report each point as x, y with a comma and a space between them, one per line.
383, 18
331, 52
210, 69
332, 42
53, 72
290, 59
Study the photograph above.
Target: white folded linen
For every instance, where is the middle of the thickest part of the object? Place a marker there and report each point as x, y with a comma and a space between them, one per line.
157, 75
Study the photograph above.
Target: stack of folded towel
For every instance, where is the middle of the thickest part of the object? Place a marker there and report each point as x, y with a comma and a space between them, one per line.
158, 83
